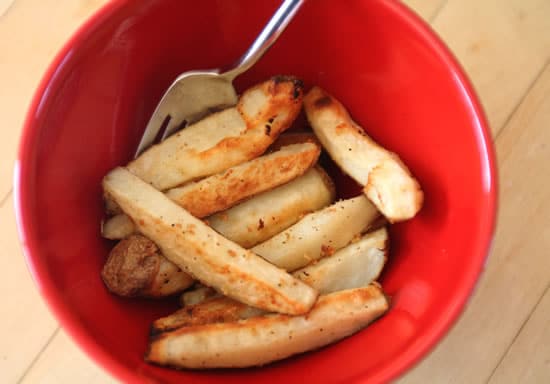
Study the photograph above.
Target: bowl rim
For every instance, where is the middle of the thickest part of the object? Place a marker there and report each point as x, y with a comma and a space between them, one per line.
415, 353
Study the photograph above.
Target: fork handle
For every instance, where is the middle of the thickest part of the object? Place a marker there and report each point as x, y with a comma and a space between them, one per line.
266, 38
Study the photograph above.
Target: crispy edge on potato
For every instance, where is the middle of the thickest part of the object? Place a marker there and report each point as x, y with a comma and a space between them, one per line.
223, 139
214, 309
206, 255
263, 339
318, 234
357, 264
260, 217
387, 182
224, 190
271, 212
255, 220
135, 267
354, 266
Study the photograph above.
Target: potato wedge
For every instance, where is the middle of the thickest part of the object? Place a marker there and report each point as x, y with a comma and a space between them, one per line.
197, 296
255, 220
135, 267
117, 227
260, 340
224, 190
356, 265
202, 252
271, 212
260, 217
215, 309
223, 139
387, 182
318, 234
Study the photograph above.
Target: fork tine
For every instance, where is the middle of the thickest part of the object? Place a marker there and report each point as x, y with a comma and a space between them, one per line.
151, 131
172, 127
150, 134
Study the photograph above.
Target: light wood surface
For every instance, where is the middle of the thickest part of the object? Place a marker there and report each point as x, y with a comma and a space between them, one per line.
504, 334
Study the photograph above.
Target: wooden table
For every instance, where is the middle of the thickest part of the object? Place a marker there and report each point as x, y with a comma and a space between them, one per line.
504, 335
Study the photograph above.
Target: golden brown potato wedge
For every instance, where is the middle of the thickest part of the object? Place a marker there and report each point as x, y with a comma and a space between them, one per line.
356, 265
318, 234
260, 217
255, 220
224, 190
264, 339
387, 182
135, 267
202, 252
223, 139
215, 309
271, 212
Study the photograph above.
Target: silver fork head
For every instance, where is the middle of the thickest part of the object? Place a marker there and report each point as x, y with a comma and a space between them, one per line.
192, 96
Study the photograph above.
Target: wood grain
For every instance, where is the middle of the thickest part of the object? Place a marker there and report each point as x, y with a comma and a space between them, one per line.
26, 52
528, 359
502, 44
26, 324
65, 363
517, 273
427, 9
5, 6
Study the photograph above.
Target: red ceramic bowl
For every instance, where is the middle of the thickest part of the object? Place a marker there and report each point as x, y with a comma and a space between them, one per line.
395, 76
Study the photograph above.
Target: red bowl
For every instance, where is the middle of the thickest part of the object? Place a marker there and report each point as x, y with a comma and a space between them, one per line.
391, 71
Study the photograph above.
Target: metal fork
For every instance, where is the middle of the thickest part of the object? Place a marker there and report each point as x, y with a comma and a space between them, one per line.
196, 93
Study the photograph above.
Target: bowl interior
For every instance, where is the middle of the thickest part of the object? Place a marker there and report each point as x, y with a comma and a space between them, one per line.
397, 81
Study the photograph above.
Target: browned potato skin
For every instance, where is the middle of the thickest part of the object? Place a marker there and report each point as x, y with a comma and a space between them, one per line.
245, 238
136, 267
212, 310
260, 340
214, 260
222, 191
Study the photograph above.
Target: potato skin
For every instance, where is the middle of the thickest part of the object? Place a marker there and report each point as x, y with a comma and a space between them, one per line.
199, 250
135, 267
